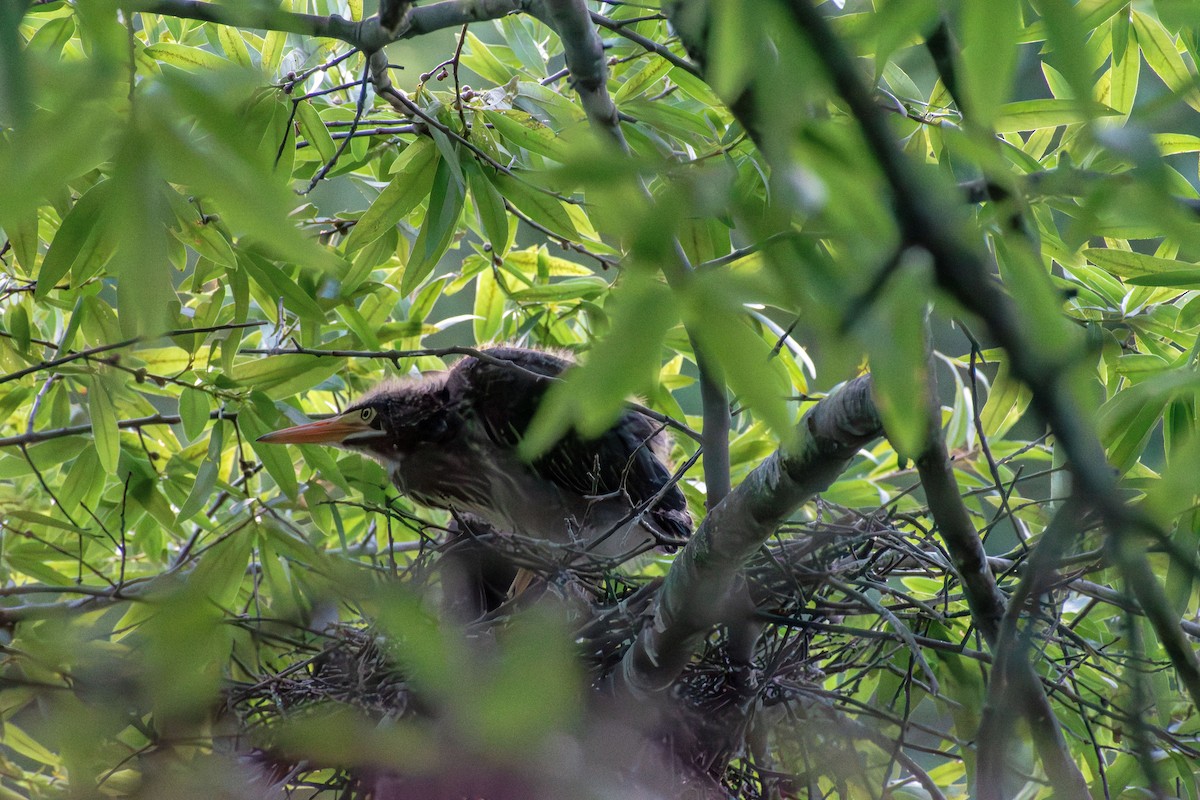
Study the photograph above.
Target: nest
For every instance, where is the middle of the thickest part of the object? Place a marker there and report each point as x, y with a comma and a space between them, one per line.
708, 734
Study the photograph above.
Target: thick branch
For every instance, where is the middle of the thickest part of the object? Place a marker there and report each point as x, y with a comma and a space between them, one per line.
368, 35
692, 598
928, 218
987, 606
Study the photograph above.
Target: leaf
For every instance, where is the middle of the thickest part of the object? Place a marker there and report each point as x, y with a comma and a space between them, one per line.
194, 409
1006, 402
275, 458
480, 59
441, 220
206, 475
103, 416
489, 306
1130, 265
1162, 56
82, 237
1031, 115
489, 205
286, 375
988, 55
541, 207
895, 335
624, 362
185, 57
234, 45
278, 284
527, 133
413, 173
314, 130
643, 80
532, 259
562, 291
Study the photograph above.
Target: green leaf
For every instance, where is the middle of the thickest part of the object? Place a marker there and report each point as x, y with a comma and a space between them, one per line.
275, 458
480, 59
489, 205
527, 133
643, 80
234, 45
1031, 115
286, 375
533, 259
83, 237
1162, 56
623, 363
541, 207
105, 434
489, 306
895, 334
414, 173
562, 291
194, 409
206, 475
441, 220
1006, 403
314, 130
988, 55
273, 279
185, 57
1135, 266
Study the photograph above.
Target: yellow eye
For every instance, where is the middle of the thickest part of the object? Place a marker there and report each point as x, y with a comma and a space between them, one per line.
367, 414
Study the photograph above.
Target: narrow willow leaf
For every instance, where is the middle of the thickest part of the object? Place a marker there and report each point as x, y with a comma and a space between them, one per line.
643, 80
413, 175
105, 434
532, 259
478, 58
1130, 265
185, 57
234, 45
988, 55
286, 375
272, 51
1158, 48
527, 133
489, 306
541, 207
194, 408
314, 130
1031, 115
441, 220
275, 459
206, 475
493, 216
83, 236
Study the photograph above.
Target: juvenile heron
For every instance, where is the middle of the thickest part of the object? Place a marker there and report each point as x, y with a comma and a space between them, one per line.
450, 441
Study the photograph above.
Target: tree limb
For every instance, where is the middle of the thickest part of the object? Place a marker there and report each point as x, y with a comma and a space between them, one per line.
692, 598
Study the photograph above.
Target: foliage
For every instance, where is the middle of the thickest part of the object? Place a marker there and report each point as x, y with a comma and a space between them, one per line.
210, 231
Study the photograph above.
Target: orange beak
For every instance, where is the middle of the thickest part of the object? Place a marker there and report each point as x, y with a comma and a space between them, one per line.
327, 431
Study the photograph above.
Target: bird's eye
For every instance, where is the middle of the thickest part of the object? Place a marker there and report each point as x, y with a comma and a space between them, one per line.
367, 415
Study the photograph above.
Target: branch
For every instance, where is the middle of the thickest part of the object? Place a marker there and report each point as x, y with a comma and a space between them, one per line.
33, 437
368, 35
928, 218
987, 606
104, 348
692, 598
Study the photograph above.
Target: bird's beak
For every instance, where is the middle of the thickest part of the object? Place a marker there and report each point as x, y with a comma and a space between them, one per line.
327, 431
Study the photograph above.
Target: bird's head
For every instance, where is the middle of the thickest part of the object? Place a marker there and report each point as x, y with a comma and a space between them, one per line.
393, 419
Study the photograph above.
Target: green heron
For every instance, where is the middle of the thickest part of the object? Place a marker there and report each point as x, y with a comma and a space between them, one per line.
450, 441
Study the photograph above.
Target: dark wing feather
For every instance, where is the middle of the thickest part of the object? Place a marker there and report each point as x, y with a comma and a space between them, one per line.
505, 397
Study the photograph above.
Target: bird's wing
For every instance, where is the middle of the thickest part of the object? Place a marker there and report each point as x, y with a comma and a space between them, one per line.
505, 397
